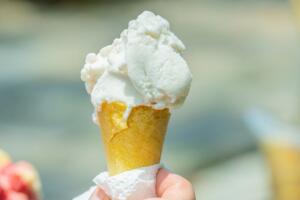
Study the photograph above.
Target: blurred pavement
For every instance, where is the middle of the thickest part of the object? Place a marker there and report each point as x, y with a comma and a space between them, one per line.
245, 177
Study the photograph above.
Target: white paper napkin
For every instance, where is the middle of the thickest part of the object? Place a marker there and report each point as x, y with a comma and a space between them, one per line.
137, 184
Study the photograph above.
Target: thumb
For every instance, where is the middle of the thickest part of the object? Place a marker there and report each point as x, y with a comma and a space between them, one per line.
99, 194
171, 186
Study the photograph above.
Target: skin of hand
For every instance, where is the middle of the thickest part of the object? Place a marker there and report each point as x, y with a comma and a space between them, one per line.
169, 186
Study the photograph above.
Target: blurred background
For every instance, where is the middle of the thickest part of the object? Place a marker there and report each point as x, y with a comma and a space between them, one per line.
243, 54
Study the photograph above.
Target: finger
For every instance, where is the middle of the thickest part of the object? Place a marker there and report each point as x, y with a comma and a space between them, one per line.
99, 194
170, 186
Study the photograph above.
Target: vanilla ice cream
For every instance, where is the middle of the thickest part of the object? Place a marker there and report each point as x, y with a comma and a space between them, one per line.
142, 67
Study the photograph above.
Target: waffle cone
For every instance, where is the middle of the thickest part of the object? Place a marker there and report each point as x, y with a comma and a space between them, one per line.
136, 142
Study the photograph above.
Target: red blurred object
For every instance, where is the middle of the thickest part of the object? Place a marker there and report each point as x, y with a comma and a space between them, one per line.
13, 186
2, 194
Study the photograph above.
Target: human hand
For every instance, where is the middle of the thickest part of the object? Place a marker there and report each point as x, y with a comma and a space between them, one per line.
169, 186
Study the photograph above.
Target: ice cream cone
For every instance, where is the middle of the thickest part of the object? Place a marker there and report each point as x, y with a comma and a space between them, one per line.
296, 7
284, 161
135, 142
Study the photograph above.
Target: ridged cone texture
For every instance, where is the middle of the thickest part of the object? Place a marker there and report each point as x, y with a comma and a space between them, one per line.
134, 143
